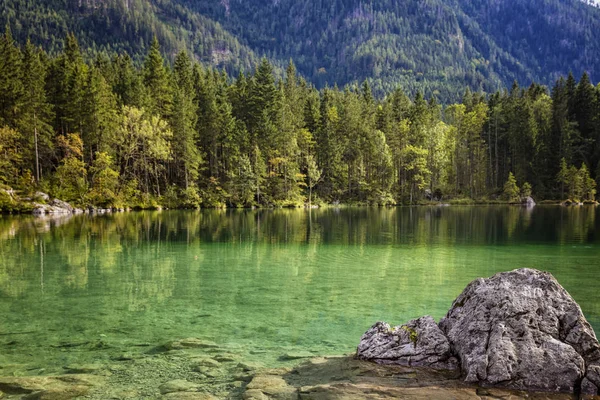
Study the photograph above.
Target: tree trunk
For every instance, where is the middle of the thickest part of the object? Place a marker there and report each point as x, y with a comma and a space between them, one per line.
37, 154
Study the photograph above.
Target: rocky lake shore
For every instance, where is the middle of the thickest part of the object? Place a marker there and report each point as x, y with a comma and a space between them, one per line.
197, 374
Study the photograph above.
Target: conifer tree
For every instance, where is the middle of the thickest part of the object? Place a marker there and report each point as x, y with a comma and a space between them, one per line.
11, 86
563, 176
36, 119
157, 83
584, 109
100, 115
511, 190
127, 83
186, 156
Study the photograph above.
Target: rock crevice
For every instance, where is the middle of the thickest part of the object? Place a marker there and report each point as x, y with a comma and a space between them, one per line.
518, 329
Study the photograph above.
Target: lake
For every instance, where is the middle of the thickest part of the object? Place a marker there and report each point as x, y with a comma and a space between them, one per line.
266, 283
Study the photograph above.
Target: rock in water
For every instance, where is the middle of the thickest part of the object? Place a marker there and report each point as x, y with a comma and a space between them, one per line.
419, 342
528, 201
522, 330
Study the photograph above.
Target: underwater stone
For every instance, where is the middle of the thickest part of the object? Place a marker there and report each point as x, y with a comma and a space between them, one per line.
191, 343
189, 396
225, 358
296, 355
250, 366
63, 387
177, 385
274, 387
205, 362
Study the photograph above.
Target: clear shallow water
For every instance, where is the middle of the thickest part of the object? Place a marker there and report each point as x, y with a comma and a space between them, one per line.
89, 289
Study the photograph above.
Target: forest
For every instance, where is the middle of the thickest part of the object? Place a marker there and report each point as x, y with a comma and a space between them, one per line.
438, 47
107, 133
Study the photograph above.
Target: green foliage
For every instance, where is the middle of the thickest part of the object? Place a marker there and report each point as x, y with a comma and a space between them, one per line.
511, 190
105, 182
415, 164
588, 185
412, 334
313, 174
70, 179
526, 189
108, 134
159, 96
11, 155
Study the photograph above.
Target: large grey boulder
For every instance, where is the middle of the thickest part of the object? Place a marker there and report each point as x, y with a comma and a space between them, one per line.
522, 330
420, 342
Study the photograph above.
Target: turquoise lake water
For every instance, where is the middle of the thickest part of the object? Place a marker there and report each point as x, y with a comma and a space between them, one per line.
87, 289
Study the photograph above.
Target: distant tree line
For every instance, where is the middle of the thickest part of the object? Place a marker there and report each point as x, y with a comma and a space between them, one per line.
109, 134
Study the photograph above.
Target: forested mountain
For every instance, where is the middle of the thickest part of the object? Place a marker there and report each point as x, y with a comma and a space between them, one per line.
116, 26
436, 46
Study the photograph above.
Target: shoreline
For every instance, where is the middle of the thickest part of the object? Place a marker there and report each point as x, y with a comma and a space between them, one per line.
210, 373
28, 208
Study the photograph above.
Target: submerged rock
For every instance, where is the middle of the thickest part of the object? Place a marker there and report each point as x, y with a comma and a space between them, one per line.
177, 385
250, 366
419, 342
352, 379
61, 387
189, 396
83, 368
191, 343
205, 362
297, 355
518, 329
270, 387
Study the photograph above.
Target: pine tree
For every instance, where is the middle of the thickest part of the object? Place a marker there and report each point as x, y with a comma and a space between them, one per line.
157, 83
11, 85
511, 190
526, 190
563, 176
575, 180
313, 174
588, 185
66, 88
262, 101
35, 121
186, 155
11, 158
100, 115
584, 110
127, 82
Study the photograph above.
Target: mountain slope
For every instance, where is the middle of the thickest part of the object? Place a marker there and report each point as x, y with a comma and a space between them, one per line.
476, 41
437, 46
548, 37
125, 25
